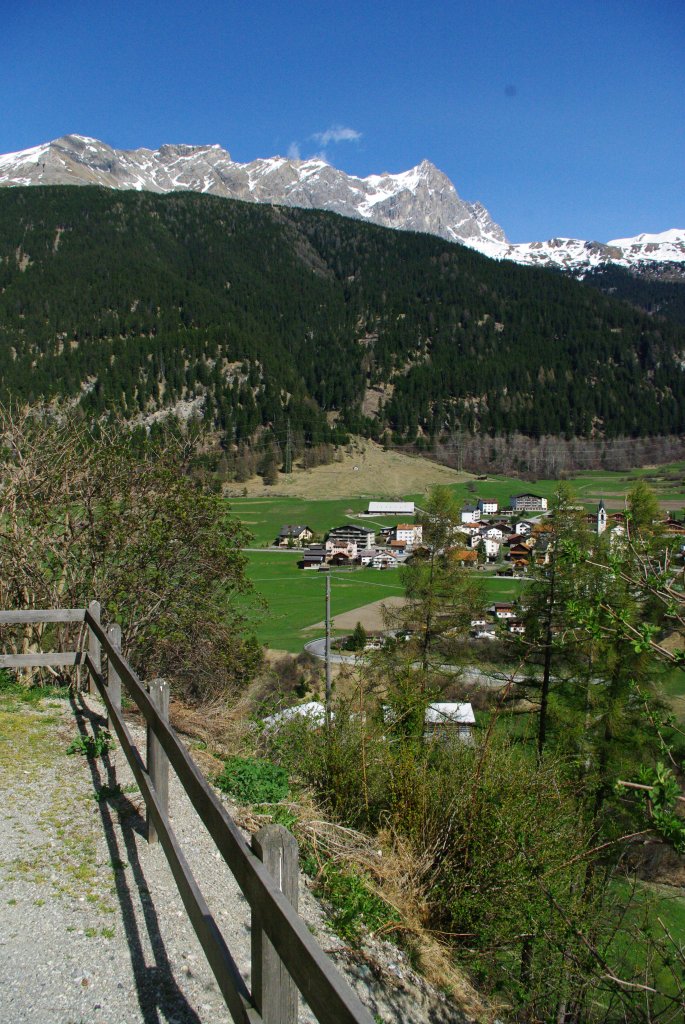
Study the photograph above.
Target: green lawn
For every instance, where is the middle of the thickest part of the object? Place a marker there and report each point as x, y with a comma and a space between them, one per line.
296, 598
503, 589
668, 483
264, 516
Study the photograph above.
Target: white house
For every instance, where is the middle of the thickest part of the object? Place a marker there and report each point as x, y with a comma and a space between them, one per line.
313, 712
522, 528
337, 546
504, 610
446, 718
491, 547
409, 534
367, 556
293, 535
528, 503
443, 719
362, 536
470, 514
492, 533
384, 560
487, 506
485, 632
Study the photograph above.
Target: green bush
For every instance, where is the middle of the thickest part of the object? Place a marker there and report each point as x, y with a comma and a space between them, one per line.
354, 903
253, 781
91, 746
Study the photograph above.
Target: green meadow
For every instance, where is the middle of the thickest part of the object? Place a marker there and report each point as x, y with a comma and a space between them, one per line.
295, 599
667, 482
655, 912
264, 517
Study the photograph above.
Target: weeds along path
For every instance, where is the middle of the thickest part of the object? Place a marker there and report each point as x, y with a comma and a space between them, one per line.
91, 925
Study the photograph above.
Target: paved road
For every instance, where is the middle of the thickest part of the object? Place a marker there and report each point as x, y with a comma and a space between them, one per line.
471, 676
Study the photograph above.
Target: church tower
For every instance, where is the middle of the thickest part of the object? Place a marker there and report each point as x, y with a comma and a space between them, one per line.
601, 518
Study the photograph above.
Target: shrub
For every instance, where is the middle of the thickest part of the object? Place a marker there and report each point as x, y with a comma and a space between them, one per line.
355, 905
252, 780
91, 746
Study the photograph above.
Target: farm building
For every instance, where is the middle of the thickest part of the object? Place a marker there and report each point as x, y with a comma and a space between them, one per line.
450, 719
391, 508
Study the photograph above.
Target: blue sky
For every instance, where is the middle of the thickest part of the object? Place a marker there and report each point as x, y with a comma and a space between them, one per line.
563, 117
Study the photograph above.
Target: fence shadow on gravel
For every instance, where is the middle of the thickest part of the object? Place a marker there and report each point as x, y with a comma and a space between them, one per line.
159, 996
285, 955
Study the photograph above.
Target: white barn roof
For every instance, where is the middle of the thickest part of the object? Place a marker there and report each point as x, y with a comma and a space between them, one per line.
313, 712
454, 713
436, 714
392, 508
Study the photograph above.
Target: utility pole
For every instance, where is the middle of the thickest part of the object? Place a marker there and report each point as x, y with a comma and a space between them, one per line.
328, 654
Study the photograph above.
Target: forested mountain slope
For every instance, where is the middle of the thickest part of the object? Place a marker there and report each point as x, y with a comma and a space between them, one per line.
659, 290
133, 302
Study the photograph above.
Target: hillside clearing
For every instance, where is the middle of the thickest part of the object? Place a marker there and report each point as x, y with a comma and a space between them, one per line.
365, 469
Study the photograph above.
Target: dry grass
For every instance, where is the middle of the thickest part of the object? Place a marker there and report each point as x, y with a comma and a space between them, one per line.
675, 641
222, 725
372, 616
365, 469
398, 876
401, 879
396, 871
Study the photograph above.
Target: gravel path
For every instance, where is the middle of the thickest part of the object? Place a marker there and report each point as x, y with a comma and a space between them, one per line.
92, 928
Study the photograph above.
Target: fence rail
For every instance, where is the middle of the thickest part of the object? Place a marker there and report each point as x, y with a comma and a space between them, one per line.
283, 945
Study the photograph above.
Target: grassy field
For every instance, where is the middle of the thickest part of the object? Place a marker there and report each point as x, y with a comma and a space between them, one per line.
667, 482
654, 911
264, 517
295, 599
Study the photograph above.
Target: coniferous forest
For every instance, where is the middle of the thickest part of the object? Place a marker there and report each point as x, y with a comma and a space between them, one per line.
133, 302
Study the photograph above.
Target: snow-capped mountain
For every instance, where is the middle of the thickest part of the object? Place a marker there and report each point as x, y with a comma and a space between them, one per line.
421, 199
577, 255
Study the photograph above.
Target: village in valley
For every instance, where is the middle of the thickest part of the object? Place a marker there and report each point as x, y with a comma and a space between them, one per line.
502, 542
499, 542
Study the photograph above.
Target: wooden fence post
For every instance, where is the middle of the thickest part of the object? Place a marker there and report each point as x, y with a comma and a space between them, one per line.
273, 990
94, 649
157, 761
113, 680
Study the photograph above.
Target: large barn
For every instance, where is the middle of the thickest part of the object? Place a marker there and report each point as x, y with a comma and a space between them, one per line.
391, 508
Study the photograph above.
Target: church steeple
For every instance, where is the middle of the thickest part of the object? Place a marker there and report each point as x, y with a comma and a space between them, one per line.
601, 518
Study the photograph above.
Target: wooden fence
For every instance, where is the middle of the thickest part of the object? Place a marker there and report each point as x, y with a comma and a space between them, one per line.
284, 952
